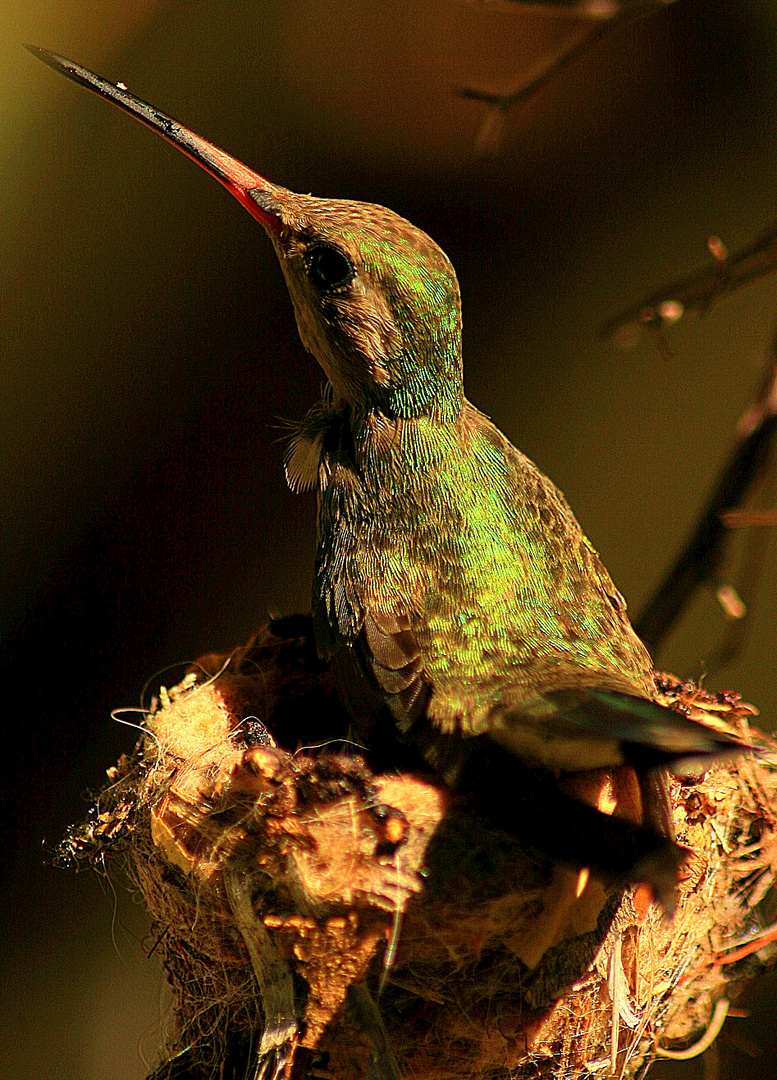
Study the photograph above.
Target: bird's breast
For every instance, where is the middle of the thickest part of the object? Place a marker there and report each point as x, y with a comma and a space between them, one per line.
482, 557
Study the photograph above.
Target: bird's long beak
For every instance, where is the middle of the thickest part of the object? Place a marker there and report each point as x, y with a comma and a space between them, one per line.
260, 198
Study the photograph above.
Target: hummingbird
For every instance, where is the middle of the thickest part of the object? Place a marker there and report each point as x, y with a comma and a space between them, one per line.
461, 606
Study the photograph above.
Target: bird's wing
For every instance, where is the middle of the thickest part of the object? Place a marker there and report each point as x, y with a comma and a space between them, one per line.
591, 727
394, 657
379, 671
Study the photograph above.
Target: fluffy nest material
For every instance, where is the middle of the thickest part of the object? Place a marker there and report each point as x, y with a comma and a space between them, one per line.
319, 920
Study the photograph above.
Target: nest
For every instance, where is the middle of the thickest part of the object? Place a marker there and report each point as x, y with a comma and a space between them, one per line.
321, 920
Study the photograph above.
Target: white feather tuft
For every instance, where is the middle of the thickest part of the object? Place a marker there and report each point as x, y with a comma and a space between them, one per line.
303, 460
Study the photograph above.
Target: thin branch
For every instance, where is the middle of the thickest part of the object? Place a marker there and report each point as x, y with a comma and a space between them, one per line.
696, 292
600, 10
598, 18
702, 556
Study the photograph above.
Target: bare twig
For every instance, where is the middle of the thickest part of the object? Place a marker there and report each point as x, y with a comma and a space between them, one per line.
597, 18
600, 10
702, 556
696, 292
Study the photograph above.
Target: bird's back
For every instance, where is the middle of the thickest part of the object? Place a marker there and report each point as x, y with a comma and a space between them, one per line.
462, 580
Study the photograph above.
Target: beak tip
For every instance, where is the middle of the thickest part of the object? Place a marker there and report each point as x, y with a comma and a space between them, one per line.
45, 55
256, 194
37, 51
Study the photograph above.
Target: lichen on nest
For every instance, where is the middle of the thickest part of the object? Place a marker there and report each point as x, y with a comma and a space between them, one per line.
318, 919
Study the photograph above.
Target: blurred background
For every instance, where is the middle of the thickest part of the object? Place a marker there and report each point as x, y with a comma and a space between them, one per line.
149, 350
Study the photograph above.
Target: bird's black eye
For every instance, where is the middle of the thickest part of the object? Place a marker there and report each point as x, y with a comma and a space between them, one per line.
329, 267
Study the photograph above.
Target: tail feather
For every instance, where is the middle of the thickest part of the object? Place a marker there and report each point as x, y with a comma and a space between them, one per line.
591, 728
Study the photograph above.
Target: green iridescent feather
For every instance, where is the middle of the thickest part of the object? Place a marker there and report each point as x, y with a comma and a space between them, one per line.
455, 592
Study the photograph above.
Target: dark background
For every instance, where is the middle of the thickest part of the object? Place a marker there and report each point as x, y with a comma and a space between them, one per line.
150, 350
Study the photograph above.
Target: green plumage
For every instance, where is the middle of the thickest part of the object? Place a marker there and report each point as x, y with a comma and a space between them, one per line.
454, 593
437, 538
447, 524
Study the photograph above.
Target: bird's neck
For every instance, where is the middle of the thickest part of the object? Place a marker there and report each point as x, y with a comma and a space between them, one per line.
397, 454
368, 449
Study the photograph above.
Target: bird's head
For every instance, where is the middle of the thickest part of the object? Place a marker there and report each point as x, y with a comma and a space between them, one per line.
376, 300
